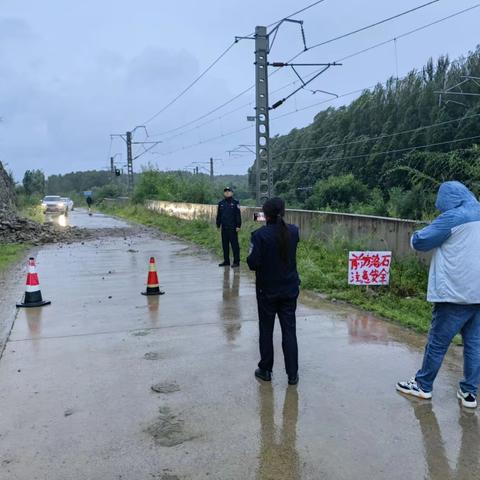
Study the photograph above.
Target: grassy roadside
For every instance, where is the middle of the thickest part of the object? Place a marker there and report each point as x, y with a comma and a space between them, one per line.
33, 212
10, 253
322, 267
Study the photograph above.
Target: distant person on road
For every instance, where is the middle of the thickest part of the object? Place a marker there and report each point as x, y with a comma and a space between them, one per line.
89, 203
453, 288
273, 257
230, 221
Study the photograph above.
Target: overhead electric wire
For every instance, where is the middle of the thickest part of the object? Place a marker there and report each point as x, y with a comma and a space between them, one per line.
379, 137
412, 148
298, 110
424, 127
372, 47
370, 139
201, 117
353, 92
354, 32
367, 27
241, 107
251, 87
344, 58
398, 150
213, 119
191, 84
406, 34
355, 54
290, 16
211, 65
322, 102
201, 142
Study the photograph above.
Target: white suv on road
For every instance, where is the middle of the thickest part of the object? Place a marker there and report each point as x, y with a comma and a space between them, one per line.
53, 204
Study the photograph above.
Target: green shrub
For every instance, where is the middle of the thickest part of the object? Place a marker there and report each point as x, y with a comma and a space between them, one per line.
337, 193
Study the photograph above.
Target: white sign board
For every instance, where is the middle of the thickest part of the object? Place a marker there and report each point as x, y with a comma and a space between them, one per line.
369, 268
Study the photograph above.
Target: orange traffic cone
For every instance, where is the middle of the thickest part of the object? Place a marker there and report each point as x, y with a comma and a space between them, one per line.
153, 288
33, 295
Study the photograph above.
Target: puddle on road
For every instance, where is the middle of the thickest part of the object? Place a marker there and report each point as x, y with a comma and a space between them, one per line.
190, 250
168, 429
165, 387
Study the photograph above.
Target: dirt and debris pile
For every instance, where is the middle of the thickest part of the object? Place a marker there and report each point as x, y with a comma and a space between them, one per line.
16, 229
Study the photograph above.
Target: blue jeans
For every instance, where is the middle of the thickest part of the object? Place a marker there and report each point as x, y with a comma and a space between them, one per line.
448, 320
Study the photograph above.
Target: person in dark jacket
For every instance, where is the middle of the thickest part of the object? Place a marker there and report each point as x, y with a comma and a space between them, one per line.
230, 221
89, 203
272, 256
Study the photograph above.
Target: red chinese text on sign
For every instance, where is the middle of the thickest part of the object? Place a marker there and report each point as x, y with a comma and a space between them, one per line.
369, 268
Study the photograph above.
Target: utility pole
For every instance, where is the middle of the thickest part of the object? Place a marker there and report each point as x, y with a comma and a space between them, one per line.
129, 162
211, 169
128, 139
263, 44
112, 168
264, 187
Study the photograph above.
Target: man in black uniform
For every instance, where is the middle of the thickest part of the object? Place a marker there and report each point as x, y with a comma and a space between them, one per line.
230, 220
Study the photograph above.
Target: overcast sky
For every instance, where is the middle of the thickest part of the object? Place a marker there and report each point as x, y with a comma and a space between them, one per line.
71, 73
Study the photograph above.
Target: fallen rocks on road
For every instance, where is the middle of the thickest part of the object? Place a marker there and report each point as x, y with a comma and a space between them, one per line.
165, 387
16, 229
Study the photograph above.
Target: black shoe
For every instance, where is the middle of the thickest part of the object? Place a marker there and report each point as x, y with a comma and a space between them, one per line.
293, 379
235, 265
224, 264
468, 400
264, 375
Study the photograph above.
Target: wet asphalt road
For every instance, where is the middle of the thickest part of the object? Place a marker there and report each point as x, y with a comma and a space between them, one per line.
75, 378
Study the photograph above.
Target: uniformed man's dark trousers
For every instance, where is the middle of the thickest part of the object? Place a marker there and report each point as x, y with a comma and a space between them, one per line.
268, 307
230, 237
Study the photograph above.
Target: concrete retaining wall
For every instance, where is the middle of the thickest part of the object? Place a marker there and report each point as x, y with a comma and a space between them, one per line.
116, 201
371, 232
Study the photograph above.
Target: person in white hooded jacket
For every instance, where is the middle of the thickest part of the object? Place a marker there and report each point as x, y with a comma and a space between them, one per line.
453, 288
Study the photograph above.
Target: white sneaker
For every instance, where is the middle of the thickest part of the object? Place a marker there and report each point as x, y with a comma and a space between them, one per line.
468, 399
411, 388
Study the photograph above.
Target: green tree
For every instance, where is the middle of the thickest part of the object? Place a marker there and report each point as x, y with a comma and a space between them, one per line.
337, 193
34, 182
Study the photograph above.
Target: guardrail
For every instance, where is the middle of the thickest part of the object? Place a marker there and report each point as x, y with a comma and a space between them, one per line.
379, 233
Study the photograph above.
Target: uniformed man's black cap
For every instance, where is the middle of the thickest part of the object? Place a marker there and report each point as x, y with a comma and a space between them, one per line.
227, 189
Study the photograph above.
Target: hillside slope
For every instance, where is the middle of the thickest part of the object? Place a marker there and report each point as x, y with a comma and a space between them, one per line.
386, 151
7, 189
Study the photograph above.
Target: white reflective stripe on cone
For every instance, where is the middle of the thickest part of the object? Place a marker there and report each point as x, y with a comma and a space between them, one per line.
32, 288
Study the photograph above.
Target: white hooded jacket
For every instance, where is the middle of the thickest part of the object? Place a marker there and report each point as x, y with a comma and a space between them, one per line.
454, 237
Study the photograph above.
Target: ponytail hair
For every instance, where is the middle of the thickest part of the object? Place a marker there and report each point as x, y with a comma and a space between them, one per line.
274, 210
